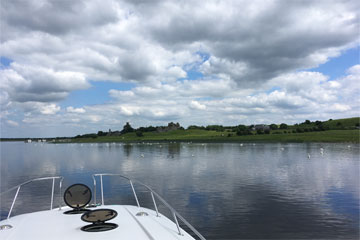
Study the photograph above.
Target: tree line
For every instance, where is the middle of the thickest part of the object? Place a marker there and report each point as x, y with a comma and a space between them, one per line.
306, 126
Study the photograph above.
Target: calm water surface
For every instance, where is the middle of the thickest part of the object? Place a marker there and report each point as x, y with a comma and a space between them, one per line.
227, 191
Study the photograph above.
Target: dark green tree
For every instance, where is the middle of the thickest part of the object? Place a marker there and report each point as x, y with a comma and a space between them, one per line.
299, 130
195, 127
259, 131
318, 123
283, 126
101, 133
127, 128
218, 128
242, 130
147, 129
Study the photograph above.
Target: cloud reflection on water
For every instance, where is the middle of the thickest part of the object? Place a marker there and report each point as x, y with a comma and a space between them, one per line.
225, 190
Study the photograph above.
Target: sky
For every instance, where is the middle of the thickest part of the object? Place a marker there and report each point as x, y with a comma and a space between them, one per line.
76, 67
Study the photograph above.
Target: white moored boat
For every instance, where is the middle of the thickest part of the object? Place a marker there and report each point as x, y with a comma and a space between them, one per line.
82, 220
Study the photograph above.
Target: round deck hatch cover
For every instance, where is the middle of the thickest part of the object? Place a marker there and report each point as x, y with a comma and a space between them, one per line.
97, 218
102, 227
77, 196
99, 215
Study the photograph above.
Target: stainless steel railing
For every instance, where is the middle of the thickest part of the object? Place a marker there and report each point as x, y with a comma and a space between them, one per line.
33, 180
175, 214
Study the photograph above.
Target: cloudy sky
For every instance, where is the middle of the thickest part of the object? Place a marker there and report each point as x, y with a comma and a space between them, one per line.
74, 67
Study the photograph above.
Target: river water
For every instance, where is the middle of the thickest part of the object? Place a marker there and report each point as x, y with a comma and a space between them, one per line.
225, 190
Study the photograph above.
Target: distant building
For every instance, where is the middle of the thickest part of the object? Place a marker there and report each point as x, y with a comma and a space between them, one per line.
114, 133
261, 127
170, 127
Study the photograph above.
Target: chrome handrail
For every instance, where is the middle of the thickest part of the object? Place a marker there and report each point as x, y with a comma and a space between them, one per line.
153, 193
33, 180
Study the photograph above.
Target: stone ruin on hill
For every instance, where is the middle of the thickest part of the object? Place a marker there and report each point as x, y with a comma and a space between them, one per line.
170, 127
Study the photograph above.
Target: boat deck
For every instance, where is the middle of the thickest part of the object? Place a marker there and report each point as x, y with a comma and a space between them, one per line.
53, 224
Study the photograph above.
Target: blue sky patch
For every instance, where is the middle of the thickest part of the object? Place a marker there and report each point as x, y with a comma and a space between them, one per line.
273, 89
192, 70
203, 55
5, 62
98, 93
205, 99
194, 75
337, 67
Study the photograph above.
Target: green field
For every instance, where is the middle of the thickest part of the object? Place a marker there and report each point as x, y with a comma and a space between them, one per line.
347, 123
352, 136
339, 130
336, 124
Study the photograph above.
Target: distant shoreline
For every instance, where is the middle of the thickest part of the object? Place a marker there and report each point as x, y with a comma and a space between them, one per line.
330, 136
331, 131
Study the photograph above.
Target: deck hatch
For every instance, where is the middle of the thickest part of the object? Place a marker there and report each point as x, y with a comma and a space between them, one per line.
98, 219
77, 196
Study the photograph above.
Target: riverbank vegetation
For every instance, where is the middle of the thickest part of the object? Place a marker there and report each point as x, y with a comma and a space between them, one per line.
213, 136
340, 130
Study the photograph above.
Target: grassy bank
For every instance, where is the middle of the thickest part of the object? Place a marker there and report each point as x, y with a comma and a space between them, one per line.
337, 130
352, 136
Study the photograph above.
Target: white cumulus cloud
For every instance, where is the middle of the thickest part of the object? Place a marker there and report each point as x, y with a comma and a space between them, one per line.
197, 105
187, 61
12, 123
75, 110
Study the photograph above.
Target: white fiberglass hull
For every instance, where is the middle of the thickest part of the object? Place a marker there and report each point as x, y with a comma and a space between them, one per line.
53, 224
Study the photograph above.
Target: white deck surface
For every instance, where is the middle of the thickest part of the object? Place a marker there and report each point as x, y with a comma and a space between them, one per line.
56, 225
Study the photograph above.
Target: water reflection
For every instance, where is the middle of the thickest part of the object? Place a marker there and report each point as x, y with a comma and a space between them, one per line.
227, 191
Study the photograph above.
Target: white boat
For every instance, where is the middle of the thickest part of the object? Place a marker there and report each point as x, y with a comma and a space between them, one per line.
108, 222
